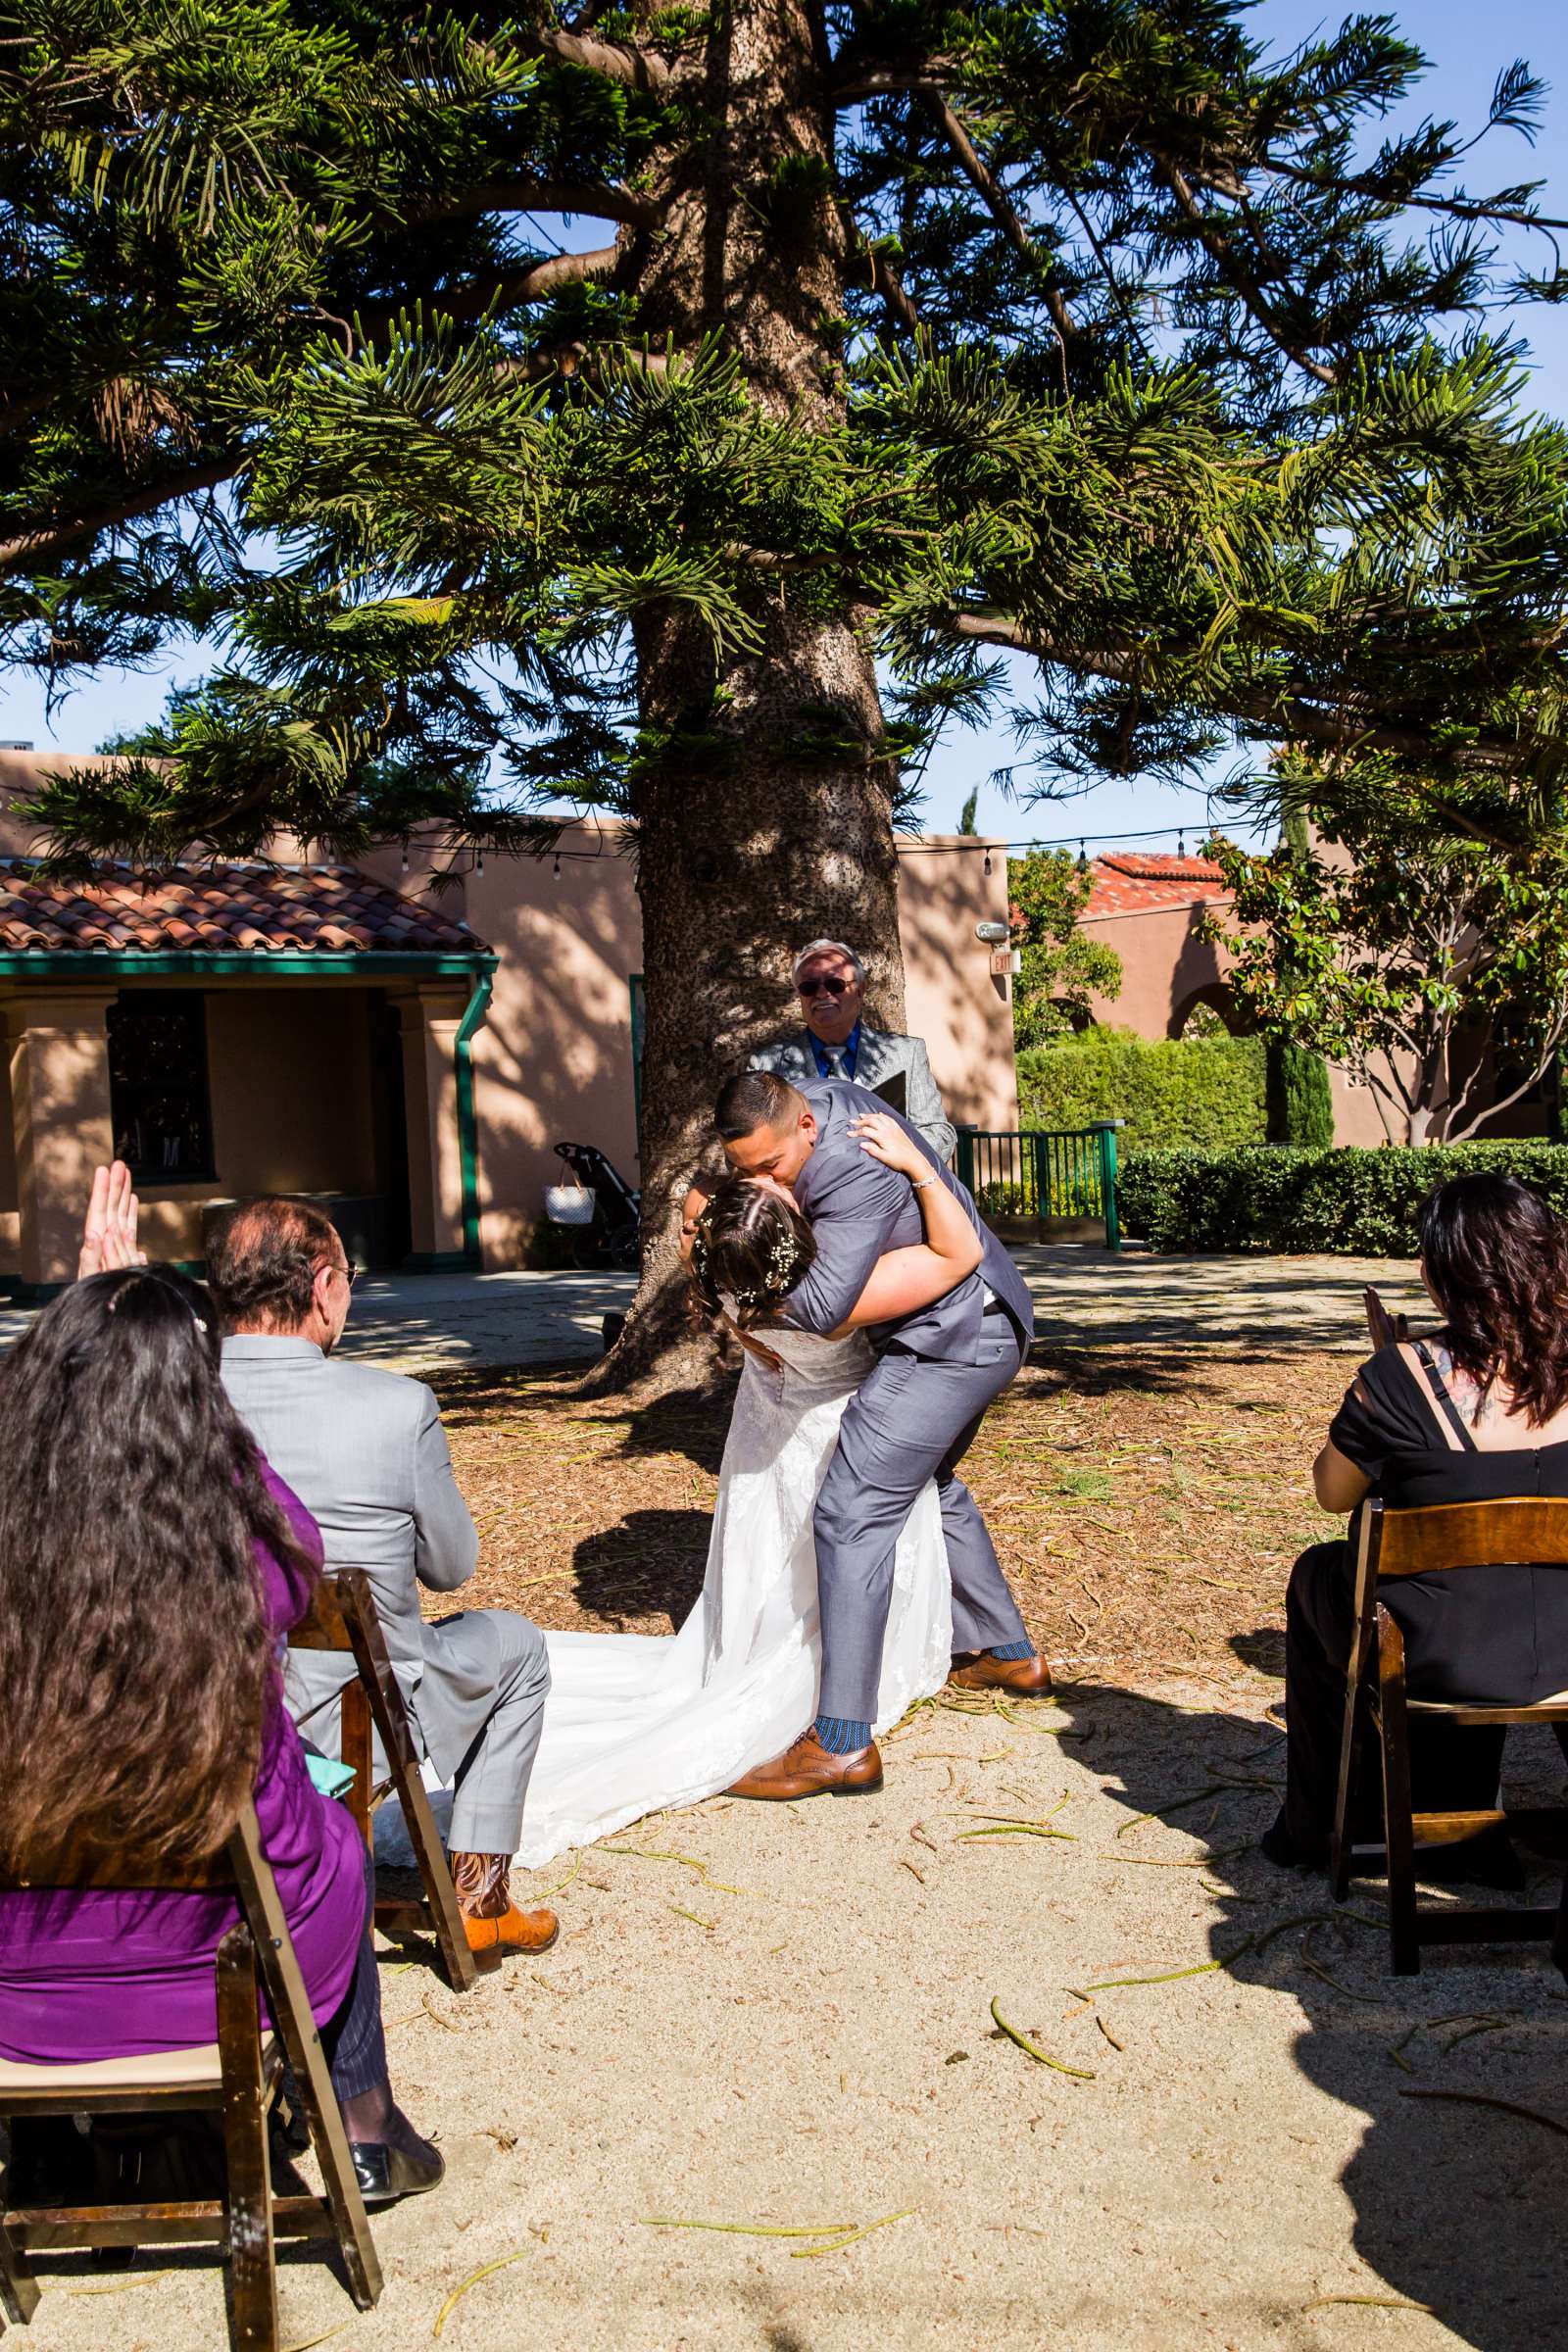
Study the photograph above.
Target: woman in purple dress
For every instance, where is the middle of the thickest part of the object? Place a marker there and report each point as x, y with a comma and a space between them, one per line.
150, 1566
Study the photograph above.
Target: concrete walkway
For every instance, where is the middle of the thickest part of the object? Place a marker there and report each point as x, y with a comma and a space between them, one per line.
1084, 1296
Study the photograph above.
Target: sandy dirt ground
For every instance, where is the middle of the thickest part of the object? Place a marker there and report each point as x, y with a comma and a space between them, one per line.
791, 2026
1235, 2128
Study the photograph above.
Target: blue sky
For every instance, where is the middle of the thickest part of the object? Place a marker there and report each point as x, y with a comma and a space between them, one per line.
1468, 45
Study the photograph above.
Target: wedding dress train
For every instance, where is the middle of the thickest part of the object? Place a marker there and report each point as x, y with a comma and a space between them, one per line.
635, 1722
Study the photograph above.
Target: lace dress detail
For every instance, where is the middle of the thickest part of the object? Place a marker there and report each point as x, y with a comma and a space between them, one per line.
635, 1723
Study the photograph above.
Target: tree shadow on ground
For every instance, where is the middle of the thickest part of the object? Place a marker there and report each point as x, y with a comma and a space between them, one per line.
648, 1563
693, 1422
1106, 1371
1455, 2206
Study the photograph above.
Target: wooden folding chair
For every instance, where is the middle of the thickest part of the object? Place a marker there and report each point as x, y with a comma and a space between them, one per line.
1439, 1538
342, 1617
236, 2076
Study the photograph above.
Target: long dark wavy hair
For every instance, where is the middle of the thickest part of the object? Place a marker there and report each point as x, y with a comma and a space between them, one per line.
135, 1656
750, 1246
1497, 1258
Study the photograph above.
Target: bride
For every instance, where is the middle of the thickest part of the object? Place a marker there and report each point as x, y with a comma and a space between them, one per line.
637, 1723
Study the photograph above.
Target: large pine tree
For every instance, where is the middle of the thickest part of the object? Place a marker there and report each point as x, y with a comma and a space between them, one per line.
1086, 330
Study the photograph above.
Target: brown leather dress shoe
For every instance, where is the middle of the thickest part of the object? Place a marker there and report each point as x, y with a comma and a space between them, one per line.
808, 1769
491, 1920
978, 1670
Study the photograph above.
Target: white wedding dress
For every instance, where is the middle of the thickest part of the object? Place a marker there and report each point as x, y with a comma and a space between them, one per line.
635, 1722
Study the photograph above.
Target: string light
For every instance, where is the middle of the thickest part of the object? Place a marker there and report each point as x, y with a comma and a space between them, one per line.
558, 865
988, 861
1082, 857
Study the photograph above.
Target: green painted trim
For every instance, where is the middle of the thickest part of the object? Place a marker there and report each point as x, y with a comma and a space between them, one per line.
468, 1116
255, 964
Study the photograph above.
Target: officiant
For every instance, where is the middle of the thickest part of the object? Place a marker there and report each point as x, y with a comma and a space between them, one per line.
837, 1043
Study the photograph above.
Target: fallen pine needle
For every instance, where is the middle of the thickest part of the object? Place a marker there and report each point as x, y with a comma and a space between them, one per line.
1173, 1976
1109, 2035
561, 1884
1488, 2024
1081, 2074
681, 1913
1373, 2001
424, 2004
472, 2279
838, 2244
643, 1853
834, 2230
1377, 2303
326, 2336
118, 2285
909, 1867
1018, 1828
1481, 2098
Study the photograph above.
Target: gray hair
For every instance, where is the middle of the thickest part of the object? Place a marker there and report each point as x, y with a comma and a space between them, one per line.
828, 947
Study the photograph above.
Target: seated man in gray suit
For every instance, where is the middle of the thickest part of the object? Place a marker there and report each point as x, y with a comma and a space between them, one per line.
365, 1451
835, 1043
914, 1417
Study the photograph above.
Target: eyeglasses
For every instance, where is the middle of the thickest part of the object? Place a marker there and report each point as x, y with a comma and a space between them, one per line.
350, 1274
821, 988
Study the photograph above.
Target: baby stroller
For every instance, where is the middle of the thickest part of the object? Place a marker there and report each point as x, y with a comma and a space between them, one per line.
599, 1207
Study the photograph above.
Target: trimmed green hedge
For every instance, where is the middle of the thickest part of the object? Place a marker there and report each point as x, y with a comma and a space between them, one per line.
1350, 1203
1203, 1091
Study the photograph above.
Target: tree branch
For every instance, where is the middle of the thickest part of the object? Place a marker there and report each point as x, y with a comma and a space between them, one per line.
1286, 713
617, 60
855, 82
995, 198
1221, 253
600, 201
1459, 208
505, 293
30, 544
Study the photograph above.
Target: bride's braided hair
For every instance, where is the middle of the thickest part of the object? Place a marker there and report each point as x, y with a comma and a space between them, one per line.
749, 1249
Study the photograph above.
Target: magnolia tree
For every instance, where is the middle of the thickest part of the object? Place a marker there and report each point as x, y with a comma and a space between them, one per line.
1435, 971
1089, 333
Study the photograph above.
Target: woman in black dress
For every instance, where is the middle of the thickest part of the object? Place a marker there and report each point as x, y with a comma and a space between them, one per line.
1477, 1412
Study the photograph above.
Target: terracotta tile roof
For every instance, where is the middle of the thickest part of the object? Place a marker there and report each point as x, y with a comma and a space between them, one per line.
1133, 883
219, 910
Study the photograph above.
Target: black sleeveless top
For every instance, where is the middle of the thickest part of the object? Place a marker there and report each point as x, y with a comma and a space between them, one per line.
1498, 1634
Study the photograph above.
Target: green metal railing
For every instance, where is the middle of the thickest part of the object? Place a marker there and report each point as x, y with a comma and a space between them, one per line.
1043, 1172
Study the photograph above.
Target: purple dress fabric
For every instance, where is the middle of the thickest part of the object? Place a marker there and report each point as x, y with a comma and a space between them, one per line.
104, 1974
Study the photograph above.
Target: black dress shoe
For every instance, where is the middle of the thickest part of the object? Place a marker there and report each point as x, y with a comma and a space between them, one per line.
385, 2174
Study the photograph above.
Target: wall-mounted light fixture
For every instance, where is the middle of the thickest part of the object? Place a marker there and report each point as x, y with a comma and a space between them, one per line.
991, 935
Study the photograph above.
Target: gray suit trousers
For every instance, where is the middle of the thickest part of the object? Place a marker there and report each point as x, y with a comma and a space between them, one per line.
898, 1430
496, 1668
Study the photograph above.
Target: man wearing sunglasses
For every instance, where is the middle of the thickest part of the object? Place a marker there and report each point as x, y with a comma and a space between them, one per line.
835, 1043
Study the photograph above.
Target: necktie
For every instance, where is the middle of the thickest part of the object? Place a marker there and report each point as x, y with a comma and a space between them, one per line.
835, 1062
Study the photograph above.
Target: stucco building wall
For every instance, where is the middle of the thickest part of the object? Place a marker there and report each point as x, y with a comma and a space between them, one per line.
303, 1097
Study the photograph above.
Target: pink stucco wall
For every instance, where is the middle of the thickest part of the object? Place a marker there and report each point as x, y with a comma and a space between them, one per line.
554, 1059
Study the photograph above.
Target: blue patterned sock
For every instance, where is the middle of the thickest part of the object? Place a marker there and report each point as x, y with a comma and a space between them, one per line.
841, 1736
1011, 1650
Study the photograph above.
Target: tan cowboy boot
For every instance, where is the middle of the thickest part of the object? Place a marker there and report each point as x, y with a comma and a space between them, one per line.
491, 1920
808, 1769
978, 1670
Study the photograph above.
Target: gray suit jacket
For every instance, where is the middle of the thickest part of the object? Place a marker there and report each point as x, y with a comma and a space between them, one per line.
858, 1209
884, 1054
365, 1452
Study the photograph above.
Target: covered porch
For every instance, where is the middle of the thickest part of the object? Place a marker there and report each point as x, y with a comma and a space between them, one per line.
230, 1030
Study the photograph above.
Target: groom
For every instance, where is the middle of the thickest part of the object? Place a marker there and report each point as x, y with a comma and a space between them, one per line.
914, 1417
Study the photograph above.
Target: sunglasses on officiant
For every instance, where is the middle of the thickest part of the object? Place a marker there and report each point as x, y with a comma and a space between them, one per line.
821, 988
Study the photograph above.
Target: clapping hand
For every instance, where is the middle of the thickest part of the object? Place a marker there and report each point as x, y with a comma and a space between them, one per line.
885, 1139
109, 1229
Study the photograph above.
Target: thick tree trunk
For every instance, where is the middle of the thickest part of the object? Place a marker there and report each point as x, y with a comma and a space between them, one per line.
748, 850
